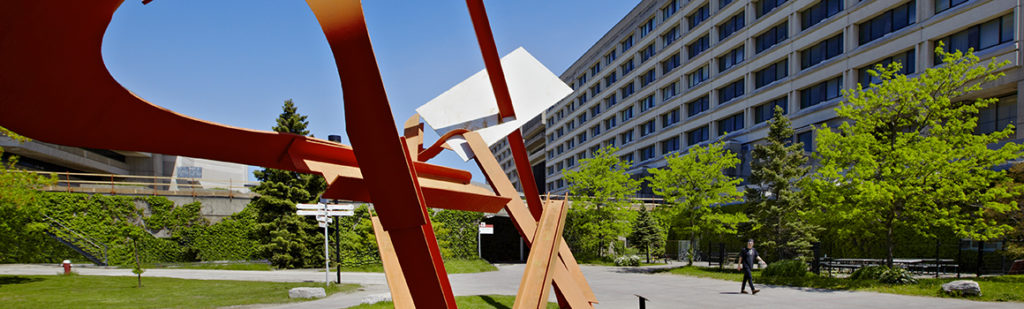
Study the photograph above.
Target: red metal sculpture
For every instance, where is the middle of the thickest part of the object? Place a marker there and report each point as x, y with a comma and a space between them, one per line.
54, 87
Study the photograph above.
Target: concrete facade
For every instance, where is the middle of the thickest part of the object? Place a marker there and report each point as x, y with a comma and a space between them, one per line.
603, 111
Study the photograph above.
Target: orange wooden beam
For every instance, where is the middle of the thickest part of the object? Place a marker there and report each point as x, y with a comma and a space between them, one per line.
400, 295
540, 266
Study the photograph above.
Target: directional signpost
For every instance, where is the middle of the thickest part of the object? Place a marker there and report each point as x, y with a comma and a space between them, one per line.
323, 213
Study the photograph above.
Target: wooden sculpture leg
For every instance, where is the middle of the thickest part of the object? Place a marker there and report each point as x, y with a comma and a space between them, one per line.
569, 280
540, 266
400, 295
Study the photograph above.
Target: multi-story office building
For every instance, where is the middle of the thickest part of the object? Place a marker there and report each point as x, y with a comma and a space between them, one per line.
673, 73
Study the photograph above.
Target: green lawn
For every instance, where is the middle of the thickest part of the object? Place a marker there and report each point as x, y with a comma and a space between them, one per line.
1001, 288
466, 302
452, 266
78, 291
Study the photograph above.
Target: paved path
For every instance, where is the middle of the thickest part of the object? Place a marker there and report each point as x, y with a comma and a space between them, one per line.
614, 287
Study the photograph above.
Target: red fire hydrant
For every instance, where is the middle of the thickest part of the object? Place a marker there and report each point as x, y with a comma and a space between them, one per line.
67, 267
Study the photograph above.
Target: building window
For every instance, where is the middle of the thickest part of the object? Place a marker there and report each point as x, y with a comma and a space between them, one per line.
610, 57
764, 6
581, 138
697, 76
610, 142
647, 78
570, 144
730, 92
821, 92
698, 46
772, 73
669, 10
669, 91
671, 64
647, 27
626, 137
611, 101
770, 38
730, 124
611, 79
647, 128
697, 106
582, 118
626, 114
906, 59
610, 123
647, 103
819, 11
627, 43
670, 118
559, 132
582, 100
581, 80
997, 116
807, 138
723, 3
670, 36
766, 111
888, 22
696, 136
627, 67
595, 110
559, 184
559, 150
628, 158
980, 37
647, 153
626, 90
730, 26
942, 5
596, 68
646, 53
698, 16
730, 59
670, 145
595, 90
595, 131
822, 51
570, 162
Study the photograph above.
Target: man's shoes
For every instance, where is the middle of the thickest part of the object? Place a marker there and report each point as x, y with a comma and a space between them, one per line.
743, 291
755, 291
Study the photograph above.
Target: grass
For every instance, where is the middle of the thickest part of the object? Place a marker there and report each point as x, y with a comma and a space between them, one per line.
453, 266
469, 302
222, 266
77, 291
1000, 288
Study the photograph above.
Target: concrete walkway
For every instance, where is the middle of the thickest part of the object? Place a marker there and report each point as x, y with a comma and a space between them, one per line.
615, 288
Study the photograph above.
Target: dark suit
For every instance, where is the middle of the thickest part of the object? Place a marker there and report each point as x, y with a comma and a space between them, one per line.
747, 258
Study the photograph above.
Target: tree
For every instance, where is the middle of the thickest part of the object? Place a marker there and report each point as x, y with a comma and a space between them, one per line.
694, 185
775, 203
908, 157
286, 239
599, 191
645, 232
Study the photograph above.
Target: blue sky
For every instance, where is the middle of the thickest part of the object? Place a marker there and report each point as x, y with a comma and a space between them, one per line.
235, 62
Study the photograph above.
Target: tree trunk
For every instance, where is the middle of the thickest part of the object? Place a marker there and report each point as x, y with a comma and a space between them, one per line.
647, 249
890, 242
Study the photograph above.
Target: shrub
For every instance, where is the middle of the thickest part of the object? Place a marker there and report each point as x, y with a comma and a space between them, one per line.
869, 272
897, 276
785, 268
883, 274
627, 260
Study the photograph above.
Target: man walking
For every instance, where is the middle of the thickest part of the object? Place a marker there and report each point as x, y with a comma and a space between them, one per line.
745, 263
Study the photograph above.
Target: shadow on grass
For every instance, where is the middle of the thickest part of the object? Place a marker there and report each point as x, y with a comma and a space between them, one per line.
492, 302
8, 280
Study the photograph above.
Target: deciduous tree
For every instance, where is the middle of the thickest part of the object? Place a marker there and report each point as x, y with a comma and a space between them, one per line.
600, 207
908, 156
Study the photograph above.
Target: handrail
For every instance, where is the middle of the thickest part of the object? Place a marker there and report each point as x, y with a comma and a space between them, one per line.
154, 185
103, 247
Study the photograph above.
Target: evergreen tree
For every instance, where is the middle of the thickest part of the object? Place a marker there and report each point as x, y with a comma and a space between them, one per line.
645, 232
775, 203
600, 211
286, 239
695, 185
908, 158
